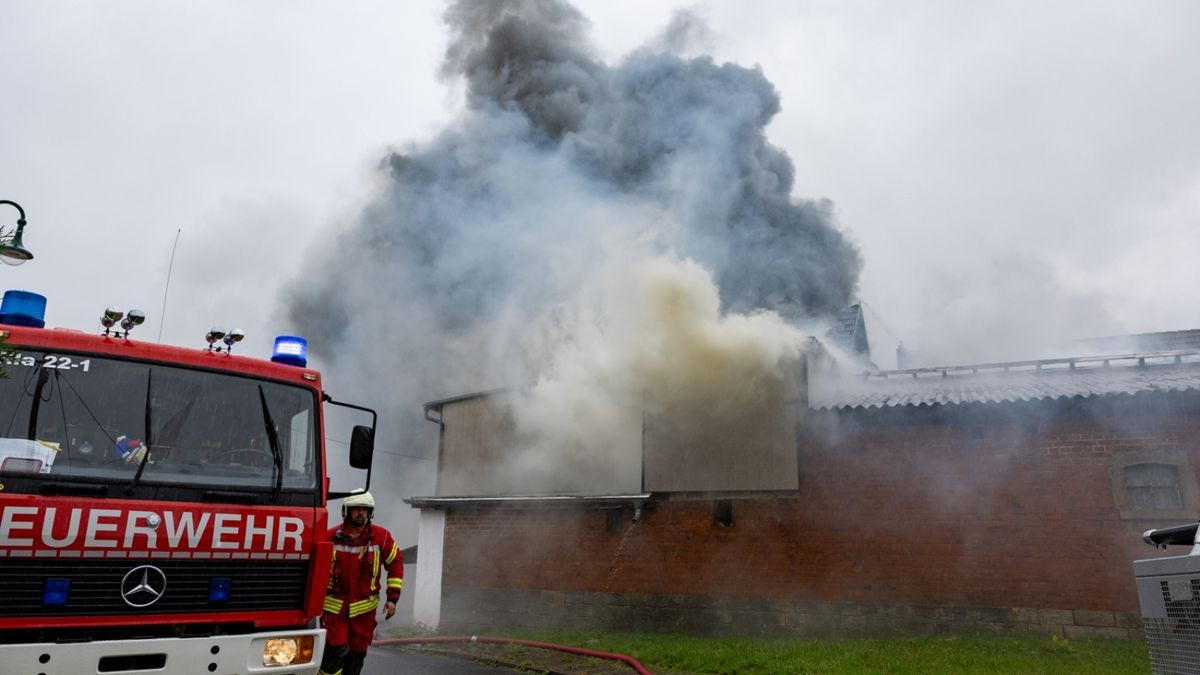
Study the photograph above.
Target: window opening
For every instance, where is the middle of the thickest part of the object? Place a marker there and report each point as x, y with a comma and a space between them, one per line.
723, 512
1153, 487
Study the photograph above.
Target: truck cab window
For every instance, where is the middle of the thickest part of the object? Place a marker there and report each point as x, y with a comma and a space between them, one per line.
98, 419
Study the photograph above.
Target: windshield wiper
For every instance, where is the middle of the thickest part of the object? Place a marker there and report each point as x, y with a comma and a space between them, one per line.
73, 489
273, 439
238, 496
137, 477
43, 376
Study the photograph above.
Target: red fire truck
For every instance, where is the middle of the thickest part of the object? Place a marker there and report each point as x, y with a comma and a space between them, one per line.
160, 507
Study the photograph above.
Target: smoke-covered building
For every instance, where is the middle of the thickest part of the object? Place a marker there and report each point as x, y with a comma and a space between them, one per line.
1006, 497
625, 236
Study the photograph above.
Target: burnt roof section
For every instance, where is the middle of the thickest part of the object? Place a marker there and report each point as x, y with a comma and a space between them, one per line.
1176, 370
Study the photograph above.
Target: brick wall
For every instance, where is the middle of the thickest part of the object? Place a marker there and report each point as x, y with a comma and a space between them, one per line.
979, 518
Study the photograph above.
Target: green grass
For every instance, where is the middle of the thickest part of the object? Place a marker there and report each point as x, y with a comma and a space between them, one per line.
923, 656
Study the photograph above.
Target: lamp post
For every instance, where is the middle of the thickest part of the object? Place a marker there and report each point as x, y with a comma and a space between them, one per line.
11, 250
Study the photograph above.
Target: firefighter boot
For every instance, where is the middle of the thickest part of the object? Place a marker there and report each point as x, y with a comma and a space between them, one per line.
333, 660
354, 663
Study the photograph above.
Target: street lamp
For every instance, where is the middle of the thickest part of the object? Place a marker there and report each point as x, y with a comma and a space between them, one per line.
11, 250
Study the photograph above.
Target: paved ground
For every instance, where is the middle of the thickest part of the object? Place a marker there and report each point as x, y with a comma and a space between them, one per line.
396, 661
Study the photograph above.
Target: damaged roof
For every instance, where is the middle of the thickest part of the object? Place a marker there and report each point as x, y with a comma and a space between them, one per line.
1177, 370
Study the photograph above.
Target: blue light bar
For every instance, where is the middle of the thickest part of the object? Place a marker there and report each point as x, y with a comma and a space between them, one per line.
23, 308
290, 350
56, 592
218, 590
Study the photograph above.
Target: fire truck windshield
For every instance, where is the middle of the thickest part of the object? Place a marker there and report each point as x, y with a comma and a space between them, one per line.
90, 418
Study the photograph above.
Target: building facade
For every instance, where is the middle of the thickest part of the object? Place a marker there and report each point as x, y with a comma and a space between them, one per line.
998, 498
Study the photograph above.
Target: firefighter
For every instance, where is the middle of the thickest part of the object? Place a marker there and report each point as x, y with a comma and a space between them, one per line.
361, 550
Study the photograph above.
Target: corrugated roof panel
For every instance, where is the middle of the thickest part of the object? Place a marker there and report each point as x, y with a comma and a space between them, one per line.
829, 391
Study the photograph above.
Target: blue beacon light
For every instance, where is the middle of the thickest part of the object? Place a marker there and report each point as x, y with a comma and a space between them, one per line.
218, 590
56, 592
23, 308
290, 350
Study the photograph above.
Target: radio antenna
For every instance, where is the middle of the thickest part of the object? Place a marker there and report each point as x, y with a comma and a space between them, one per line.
162, 316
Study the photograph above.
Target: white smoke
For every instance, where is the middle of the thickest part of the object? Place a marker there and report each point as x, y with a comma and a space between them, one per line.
605, 231
647, 338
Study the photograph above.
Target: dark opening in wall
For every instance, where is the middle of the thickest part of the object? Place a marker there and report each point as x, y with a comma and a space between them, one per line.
723, 512
616, 520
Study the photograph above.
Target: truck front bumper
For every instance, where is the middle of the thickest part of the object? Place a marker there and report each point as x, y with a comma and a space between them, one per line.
222, 655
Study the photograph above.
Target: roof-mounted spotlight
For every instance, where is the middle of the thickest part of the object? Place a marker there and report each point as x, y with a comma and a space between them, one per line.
135, 317
232, 338
115, 315
110, 318
214, 336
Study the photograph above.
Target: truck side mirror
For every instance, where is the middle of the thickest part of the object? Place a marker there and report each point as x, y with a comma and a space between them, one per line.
362, 446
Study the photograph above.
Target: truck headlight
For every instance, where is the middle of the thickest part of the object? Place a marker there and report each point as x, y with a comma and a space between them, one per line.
288, 651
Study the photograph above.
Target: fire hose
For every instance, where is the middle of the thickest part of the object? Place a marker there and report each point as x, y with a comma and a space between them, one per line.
579, 651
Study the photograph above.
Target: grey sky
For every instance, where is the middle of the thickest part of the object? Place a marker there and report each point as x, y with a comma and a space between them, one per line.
1014, 173
998, 163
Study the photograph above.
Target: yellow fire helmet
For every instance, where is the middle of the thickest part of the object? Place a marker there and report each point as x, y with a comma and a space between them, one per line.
359, 497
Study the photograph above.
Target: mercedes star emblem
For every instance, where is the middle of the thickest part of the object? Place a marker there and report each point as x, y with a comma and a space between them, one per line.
143, 586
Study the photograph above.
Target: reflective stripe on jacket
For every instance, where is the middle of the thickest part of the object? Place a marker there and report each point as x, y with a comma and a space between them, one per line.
354, 572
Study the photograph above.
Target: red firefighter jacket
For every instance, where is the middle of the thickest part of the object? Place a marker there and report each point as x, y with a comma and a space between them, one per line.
354, 572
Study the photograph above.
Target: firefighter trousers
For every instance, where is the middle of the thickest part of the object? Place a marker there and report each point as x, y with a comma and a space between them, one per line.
346, 642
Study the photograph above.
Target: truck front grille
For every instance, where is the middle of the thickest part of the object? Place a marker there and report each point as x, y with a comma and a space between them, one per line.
95, 586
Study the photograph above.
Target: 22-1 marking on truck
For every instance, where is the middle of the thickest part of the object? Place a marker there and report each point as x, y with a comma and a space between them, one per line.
55, 361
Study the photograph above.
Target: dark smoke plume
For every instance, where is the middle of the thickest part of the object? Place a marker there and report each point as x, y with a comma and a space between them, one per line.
451, 279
